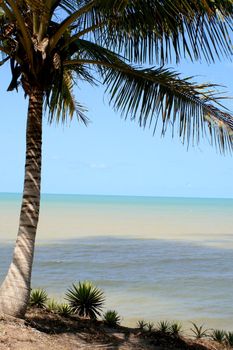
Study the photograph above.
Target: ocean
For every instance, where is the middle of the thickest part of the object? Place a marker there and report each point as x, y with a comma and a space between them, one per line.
155, 258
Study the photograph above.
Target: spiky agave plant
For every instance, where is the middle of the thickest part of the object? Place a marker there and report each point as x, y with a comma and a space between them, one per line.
199, 331
38, 298
142, 324
111, 318
52, 305
218, 335
150, 327
64, 309
163, 327
229, 338
85, 299
176, 328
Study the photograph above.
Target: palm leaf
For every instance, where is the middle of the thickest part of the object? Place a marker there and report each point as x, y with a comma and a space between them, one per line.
198, 29
20, 22
148, 94
152, 93
62, 103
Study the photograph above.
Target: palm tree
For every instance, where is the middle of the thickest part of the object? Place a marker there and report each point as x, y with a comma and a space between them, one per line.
53, 44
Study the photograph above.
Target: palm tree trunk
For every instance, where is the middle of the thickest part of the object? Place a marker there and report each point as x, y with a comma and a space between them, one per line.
15, 290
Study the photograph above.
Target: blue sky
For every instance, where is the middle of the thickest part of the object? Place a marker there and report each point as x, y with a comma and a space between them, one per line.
113, 156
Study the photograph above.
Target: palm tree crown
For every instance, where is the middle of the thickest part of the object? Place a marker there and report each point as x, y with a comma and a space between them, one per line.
53, 44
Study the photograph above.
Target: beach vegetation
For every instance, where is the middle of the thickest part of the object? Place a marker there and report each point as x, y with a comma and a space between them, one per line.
52, 305
229, 338
64, 309
176, 328
38, 298
85, 299
141, 324
163, 327
150, 327
51, 46
199, 331
218, 335
111, 318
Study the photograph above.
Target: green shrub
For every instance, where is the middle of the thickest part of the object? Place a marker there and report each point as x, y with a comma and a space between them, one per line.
52, 306
142, 325
111, 318
38, 298
64, 309
85, 299
229, 338
163, 327
176, 328
218, 335
199, 331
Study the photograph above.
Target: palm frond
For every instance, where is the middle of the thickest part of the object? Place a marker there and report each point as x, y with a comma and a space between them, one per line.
152, 93
64, 26
87, 50
5, 10
8, 45
71, 6
36, 5
20, 22
198, 29
62, 103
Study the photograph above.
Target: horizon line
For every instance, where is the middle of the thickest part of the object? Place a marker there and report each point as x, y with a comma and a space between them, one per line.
117, 195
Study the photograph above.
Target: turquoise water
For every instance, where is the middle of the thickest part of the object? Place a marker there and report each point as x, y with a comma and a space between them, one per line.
155, 258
